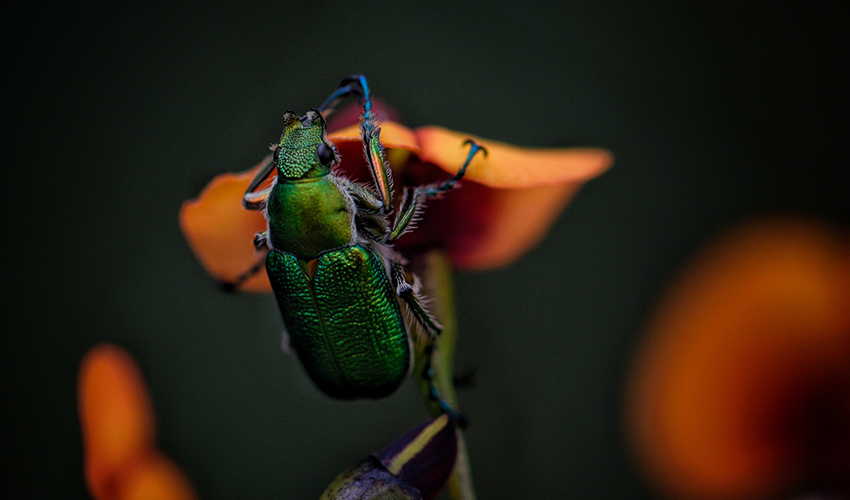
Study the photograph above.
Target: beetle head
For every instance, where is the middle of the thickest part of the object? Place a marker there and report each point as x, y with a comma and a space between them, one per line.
304, 150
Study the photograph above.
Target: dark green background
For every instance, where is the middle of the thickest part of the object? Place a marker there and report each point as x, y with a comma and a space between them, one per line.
115, 114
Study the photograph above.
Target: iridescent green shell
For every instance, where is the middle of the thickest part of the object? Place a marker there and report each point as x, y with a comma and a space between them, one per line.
344, 320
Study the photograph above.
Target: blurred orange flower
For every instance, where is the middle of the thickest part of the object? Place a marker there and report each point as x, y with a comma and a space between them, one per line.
121, 458
123, 463
507, 201
741, 388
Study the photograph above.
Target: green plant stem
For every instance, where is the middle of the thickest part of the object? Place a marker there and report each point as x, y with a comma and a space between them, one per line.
435, 270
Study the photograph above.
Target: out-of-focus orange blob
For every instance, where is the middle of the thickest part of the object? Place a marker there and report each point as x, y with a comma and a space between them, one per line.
117, 420
157, 478
741, 388
115, 414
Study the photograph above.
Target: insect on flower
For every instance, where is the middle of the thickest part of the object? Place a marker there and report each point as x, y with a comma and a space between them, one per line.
352, 310
337, 284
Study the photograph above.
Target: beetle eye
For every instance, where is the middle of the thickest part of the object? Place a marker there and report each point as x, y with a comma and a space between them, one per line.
325, 154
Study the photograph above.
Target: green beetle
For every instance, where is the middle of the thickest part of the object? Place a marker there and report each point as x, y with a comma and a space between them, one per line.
340, 285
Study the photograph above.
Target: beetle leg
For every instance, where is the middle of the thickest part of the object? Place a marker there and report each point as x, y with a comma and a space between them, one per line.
379, 167
350, 85
232, 286
415, 301
431, 191
364, 198
371, 133
434, 393
414, 198
252, 200
286, 342
373, 226
411, 206
369, 219
261, 240
255, 201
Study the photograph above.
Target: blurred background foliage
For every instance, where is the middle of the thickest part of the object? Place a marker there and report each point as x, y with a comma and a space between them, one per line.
116, 113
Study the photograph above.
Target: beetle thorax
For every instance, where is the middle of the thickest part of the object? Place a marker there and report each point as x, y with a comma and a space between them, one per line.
307, 217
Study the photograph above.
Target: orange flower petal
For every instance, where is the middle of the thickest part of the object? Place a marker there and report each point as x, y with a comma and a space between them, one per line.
514, 197
742, 386
156, 477
490, 229
517, 220
115, 414
507, 166
221, 232
393, 135
483, 228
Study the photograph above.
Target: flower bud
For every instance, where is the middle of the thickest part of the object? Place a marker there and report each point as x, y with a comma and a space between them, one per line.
415, 466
